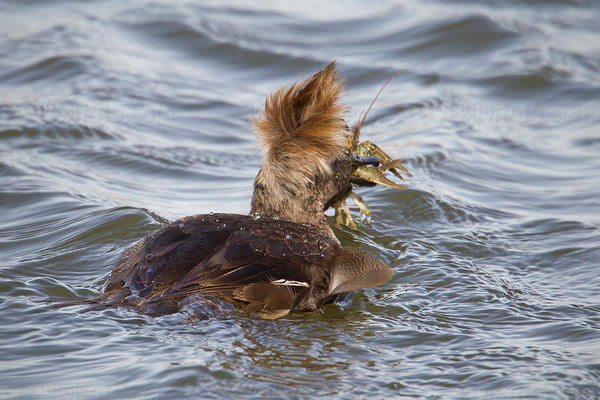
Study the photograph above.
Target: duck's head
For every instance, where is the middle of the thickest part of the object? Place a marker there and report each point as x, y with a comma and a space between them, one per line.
305, 138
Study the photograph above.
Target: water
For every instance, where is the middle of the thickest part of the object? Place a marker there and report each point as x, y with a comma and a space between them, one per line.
116, 117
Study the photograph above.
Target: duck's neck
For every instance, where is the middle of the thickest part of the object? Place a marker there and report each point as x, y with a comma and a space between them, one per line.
295, 204
293, 207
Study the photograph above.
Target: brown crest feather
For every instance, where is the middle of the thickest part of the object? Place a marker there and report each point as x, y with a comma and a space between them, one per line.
301, 127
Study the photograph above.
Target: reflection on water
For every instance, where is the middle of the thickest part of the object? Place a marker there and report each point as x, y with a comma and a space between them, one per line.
115, 118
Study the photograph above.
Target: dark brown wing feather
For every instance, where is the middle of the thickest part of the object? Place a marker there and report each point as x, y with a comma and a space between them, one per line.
268, 267
265, 265
167, 254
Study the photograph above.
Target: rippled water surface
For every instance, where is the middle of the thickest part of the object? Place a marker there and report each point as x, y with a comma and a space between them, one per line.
116, 117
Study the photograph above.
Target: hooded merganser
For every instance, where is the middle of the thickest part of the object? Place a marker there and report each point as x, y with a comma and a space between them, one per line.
281, 258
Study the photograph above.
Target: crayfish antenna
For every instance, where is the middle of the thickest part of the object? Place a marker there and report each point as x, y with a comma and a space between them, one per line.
361, 120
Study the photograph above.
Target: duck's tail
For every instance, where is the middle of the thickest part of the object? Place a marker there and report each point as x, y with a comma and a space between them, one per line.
101, 302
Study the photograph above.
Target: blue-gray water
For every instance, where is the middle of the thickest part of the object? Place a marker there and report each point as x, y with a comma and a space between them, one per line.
118, 116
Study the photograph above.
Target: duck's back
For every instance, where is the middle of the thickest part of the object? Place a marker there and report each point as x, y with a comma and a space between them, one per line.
262, 265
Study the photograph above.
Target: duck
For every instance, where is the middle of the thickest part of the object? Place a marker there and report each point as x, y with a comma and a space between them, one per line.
281, 258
